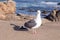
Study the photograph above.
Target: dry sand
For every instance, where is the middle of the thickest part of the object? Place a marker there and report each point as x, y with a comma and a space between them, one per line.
48, 31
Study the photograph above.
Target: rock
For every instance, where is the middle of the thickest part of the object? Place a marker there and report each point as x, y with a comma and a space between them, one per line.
58, 4
22, 8
3, 7
11, 6
2, 16
31, 10
7, 8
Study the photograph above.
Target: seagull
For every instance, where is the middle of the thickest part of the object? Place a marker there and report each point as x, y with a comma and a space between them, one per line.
34, 23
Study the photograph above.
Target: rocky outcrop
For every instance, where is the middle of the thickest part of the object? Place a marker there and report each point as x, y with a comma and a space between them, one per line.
11, 6
7, 8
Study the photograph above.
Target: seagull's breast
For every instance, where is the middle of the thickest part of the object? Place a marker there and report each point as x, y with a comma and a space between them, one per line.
38, 23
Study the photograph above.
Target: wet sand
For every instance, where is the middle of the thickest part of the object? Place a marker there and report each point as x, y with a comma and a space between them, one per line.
48, 31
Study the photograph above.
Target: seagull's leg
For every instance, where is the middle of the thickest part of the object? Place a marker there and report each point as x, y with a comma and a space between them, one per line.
35, 35
34, 31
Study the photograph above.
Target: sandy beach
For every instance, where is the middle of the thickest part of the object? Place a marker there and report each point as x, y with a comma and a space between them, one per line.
48, 31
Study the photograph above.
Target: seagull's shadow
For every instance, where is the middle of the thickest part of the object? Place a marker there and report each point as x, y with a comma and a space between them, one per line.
18, 28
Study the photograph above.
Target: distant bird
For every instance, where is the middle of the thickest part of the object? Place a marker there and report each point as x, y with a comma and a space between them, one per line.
34, 23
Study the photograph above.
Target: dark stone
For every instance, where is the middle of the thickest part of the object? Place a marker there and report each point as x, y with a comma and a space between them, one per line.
58, 4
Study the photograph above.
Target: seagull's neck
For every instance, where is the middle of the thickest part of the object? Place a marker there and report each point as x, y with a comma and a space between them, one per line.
38, 17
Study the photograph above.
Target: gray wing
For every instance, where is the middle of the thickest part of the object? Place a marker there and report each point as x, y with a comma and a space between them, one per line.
30, 24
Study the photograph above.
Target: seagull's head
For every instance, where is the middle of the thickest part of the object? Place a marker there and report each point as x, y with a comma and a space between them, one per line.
38, 11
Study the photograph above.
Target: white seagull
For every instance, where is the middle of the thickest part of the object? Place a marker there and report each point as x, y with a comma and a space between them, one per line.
34, 23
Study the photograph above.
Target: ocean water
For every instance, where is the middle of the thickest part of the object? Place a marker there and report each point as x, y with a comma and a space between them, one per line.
27, 6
